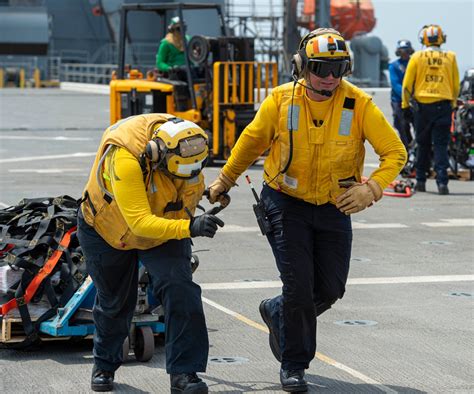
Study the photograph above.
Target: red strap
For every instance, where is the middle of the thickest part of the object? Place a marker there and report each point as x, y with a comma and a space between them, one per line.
42, 273
407, 193
6, 249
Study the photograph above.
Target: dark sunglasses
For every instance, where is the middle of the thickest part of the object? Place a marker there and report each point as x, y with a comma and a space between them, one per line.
323, 68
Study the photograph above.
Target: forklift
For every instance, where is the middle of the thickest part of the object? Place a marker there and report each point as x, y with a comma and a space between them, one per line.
222, 88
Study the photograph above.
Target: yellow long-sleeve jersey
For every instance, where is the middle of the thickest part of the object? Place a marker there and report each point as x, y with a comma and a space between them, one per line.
128, 211
322, 153
125, 182
432, 75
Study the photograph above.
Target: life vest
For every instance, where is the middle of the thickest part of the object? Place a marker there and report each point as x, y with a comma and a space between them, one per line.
321, 155
167, 197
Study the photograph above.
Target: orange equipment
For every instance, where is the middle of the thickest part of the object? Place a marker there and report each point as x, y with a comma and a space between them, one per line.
397, 188
348, 17
400, 188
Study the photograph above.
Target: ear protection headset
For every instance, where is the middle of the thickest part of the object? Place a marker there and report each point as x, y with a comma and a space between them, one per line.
334, 49
178, 147
432, 35
300, 58
404, 45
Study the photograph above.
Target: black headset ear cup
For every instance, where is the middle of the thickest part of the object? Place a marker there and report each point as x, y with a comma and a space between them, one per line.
300, 60
303, 59
296, 63
410, 51
153, 151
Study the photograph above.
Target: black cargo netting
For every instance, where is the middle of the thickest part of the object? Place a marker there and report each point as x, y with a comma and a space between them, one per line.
40, 259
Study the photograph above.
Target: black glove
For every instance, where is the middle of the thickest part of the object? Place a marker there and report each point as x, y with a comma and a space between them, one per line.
204, 225
407, 115
178, 69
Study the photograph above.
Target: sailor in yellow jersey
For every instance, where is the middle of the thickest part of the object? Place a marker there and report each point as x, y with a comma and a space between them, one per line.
315, 131
431, 87
142, 192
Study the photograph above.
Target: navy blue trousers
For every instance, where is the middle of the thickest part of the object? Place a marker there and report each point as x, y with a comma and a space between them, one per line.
312, 249
115, 276
432, 125
402, 126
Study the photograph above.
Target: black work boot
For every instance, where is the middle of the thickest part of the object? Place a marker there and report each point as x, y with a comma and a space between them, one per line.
420, 186
187, 383
274, 341
443, 190
102, 380
293, 381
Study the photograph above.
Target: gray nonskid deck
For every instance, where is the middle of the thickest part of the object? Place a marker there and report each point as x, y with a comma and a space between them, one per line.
420, 258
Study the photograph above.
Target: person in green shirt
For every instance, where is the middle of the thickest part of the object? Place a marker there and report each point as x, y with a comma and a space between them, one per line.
170, 54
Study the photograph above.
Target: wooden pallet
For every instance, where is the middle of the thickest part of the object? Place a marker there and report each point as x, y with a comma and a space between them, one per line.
465, 175
12, 326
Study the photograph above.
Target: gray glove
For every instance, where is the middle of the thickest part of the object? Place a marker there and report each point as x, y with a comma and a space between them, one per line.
205, 225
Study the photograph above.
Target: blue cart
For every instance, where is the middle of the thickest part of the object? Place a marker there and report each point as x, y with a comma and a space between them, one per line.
75, 320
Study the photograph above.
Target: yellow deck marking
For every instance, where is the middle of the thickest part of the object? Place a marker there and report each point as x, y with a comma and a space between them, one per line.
320, 356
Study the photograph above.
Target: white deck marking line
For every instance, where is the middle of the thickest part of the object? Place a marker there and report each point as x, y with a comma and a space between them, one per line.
49, 157
451, 223
364, 226
47, 170
3, 205
353, 281
320, 356
234, 228
30, 138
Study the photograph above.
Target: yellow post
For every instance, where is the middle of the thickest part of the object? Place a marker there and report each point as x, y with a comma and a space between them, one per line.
226, 83
242, 83
275, 75
267, 75
37, 78
234, 83
22, 78
215, 109
2, 76
259, 80
250, 83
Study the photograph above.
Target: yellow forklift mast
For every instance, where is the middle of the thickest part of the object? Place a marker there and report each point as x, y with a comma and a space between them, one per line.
222, 85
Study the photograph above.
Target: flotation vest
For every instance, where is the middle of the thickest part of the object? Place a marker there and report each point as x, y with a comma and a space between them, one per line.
167, 197
321, 155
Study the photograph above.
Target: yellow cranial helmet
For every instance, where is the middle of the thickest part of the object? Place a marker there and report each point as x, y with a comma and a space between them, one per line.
179, 147
432, 35
326, 47
322, 52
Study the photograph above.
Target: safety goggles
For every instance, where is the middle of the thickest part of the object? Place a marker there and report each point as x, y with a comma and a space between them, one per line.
322, 68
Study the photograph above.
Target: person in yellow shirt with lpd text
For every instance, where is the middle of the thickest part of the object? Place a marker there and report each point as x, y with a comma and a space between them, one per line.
314, 130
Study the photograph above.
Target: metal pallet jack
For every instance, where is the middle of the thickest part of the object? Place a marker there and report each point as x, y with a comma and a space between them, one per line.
75, 320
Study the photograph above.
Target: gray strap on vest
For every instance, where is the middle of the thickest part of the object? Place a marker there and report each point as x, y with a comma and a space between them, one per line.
99, 174
293, 117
